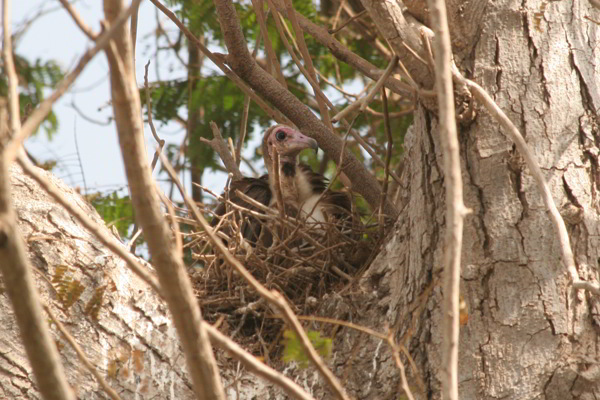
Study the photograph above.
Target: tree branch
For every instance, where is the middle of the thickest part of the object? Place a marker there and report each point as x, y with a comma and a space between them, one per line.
14, 263
247, 69
256, 366
173, 277
455, 208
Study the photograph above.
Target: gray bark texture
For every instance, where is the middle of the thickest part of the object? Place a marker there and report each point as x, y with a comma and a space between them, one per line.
132, 338
528, 336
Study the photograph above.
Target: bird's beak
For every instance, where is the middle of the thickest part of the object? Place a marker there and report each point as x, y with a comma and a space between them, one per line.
300, 142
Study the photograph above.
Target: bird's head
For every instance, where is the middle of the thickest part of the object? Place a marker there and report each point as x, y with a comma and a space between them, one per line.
287, 141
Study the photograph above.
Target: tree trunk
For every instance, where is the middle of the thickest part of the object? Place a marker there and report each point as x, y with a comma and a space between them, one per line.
527, 336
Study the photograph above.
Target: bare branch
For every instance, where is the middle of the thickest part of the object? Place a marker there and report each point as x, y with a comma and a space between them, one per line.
177, 289
14, 263
78, 20
455, 208
82, 357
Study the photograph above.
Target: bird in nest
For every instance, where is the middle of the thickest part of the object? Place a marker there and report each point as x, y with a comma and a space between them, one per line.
304, 193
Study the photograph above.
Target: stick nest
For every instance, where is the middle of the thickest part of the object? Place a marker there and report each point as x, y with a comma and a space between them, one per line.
304, 261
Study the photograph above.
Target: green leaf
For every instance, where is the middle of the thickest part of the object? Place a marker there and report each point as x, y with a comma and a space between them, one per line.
293, 350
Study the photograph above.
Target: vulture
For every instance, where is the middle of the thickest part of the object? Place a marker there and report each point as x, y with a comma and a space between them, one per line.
304, 192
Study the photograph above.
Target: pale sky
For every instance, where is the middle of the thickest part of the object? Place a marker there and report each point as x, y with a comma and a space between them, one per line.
55, 36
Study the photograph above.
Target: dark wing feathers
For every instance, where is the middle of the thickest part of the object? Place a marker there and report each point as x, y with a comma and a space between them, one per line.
336, 204
255, 188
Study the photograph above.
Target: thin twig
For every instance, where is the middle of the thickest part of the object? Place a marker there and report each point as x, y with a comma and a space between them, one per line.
363, 102
161, 142
78, 20
219, 145
243, 130
82, 357
388, 157
256, 366
345, 23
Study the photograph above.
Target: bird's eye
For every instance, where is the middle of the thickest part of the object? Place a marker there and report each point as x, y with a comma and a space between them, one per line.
280, 135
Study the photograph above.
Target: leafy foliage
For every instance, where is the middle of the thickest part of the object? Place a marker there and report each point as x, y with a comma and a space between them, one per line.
35, 77
294, 351
116, 210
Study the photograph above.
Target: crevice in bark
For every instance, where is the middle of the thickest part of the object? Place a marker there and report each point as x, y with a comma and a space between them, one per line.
470, 166
497, 63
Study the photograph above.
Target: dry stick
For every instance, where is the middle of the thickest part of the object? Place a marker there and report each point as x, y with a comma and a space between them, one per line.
78, 20
133, 30
273, 297
400, 365
259, 11
276, 115
37, 117
14, 263
256, 366
455, 208
177, 289
338, 13
175, 226
98, 231
82, 357
396, 347
559, 225
220, 146
364, 101
320, 96
345, 23
277, 178
388, 157
161, 142
344, 54
243, 131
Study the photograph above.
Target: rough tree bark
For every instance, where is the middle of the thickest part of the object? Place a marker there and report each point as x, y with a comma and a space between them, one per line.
527, 336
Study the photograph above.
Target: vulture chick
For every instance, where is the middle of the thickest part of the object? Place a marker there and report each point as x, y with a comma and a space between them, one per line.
304, 192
